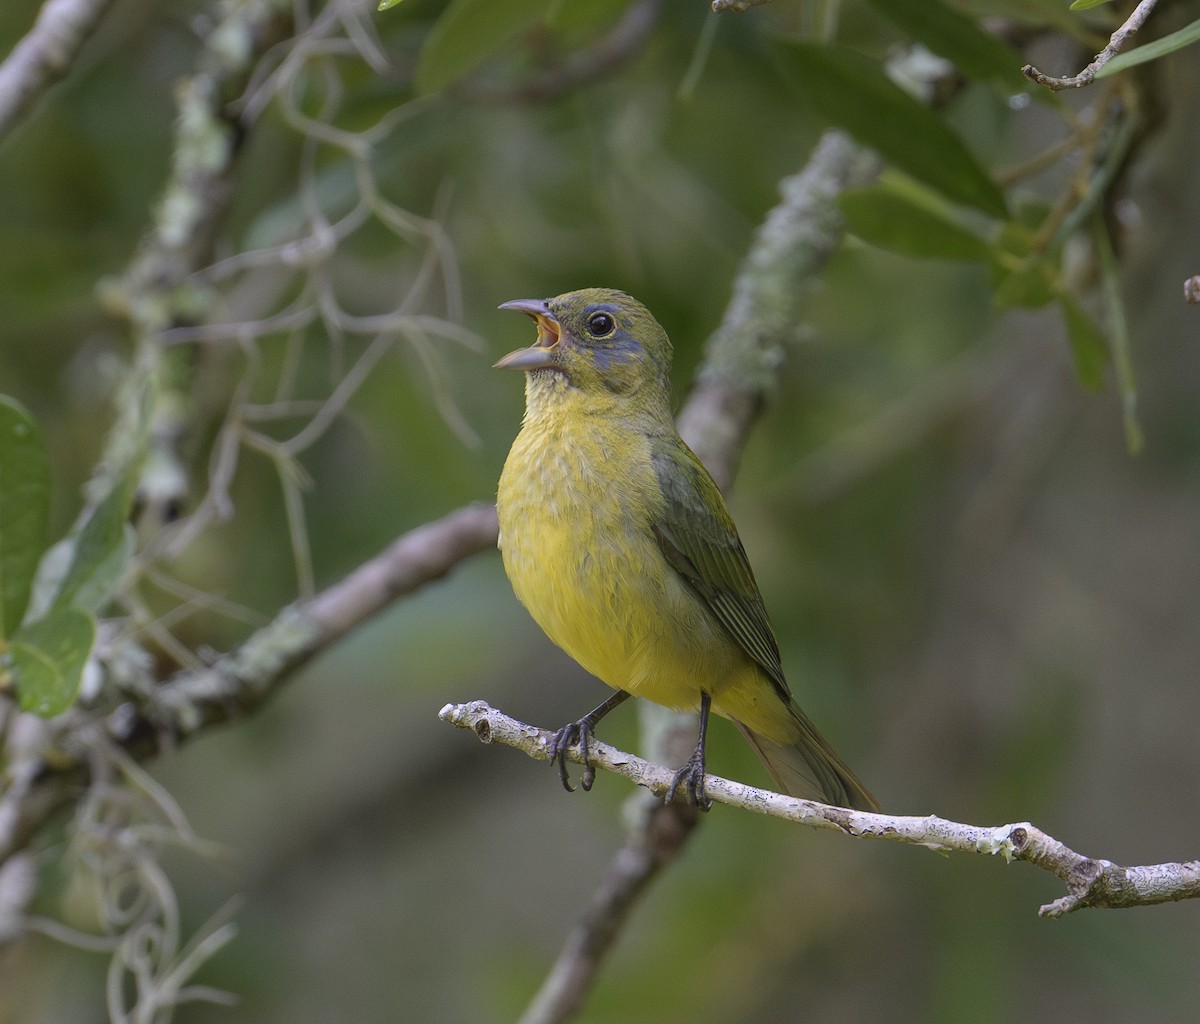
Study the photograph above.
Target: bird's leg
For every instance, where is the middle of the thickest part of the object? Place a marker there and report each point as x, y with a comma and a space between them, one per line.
581, 732
691, 775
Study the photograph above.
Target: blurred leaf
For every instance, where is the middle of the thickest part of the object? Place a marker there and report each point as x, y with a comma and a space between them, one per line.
958, 38
24, 509
1087, 5
894, 220
855, 93
573, 14
1119, 325
1088, 344
1020, 276
468, 33
48, 657
99, 550
1151, 51
387, 5
1031, 286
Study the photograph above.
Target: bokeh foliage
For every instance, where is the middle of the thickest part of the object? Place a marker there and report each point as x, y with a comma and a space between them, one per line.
980, 594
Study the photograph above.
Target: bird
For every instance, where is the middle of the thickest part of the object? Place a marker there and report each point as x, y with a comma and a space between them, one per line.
618, 542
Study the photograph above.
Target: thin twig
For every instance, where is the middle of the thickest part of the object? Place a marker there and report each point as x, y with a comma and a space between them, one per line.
1115, 45
1089, 882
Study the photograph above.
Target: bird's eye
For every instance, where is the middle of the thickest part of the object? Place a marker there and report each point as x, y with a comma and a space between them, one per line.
601, 325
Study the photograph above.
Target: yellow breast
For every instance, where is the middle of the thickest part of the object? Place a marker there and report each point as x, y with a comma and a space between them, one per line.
576, 501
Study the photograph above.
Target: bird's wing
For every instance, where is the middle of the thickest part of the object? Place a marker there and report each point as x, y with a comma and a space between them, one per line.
698, 538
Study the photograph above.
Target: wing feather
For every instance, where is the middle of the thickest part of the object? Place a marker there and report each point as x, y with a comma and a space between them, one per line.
698, 538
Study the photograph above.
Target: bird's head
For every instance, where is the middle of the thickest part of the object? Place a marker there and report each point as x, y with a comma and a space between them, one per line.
598, 342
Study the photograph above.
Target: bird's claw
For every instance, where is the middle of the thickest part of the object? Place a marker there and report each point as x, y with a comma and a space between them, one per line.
691, 779
575, 733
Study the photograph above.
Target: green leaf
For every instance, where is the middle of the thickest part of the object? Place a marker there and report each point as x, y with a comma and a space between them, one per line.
577, 14
48, 657
958, 38
24, 509
1088, 345
1119, 325
853, 92
100, 550
386, 5
1152, 51
1087, 5
895, 220
1020, 276
468, 33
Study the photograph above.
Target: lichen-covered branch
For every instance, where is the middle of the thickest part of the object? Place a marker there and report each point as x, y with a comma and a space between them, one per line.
45, 55
57, 766
1090, 882
154, 294
765, 312
1115, 45
243, 679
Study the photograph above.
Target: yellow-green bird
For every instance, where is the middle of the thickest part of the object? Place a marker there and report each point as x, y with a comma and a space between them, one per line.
618, 542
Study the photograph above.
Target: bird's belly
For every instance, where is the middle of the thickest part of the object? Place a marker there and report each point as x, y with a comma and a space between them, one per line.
585, 563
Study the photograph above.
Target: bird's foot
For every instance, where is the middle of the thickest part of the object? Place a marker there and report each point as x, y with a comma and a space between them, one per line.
570, 735
691, 778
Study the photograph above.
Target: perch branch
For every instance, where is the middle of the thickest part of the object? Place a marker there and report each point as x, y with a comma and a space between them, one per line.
1089, 882
1115, 45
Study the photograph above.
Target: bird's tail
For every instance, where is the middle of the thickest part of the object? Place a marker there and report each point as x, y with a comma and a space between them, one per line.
810, 767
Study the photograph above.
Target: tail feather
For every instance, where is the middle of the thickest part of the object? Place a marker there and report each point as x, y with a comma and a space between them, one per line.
810, 768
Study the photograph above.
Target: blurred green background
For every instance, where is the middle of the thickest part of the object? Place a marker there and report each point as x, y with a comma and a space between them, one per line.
988, 605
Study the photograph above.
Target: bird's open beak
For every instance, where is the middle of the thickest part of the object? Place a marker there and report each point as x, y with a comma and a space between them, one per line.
541, 354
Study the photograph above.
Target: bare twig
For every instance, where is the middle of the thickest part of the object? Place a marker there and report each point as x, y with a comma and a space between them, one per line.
1090, 882
45, 55
1115, 45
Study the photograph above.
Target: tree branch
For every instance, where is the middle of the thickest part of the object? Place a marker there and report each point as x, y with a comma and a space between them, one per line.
1115, 45
1089, 882
650, 848
790, 249
45, 55
241, 680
